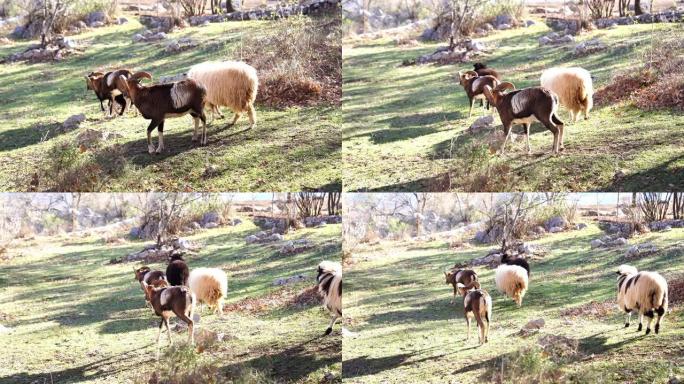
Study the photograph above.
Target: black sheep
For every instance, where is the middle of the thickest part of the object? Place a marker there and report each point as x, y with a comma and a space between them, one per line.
506, 259
177, 271
482, 70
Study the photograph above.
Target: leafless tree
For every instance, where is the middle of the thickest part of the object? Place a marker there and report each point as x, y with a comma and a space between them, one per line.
461, 12
601, 8
334, 203
52, 10
677, 205
654, 205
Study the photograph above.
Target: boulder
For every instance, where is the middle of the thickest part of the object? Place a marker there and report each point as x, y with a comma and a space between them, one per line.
480, 123
502, 27
251, 239
555, 229
72, 122
504, 19
289, 280
97, 24
534, 324
211, 225
556, 221
195, 225
580, 226
588, 47
135, 233
529, 23
95, 17
597, 243
210, 217
121, 20
619, 241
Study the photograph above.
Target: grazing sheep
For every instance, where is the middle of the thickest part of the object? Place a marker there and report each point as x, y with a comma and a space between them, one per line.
509, 260
232, 84
483, 70
526, 106
462, 276
512, 280
643, 291
477, 303
210, 286
166, 301
330, 286
147, 276
105, 87
177, 271
574, 89
474, 86
158, 102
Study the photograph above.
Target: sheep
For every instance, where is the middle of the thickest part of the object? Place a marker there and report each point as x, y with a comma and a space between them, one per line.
474, 85
329, 280
157, 102
147, 276
232, 84
477, 303
483, 70
508, 259
210, 286
512, 280
462, 276
166, 301
574, 89
177, 271
526, 106
105, 87
643, 291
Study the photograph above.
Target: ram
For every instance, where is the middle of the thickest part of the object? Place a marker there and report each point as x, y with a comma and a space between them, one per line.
329, 280
474, 85
105, 86
158, 102
574, 88
645, 292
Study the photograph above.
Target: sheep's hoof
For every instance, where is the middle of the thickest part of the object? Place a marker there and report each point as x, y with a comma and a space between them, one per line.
150, 149
657, 328
639, 329
648, 330
626, 325
160, 149
328, 331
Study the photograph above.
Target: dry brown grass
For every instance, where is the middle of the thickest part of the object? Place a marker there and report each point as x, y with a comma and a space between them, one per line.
299, 61
593, 309
281, 298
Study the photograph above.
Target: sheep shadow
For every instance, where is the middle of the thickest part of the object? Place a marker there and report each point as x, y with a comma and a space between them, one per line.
12, 139
366, 366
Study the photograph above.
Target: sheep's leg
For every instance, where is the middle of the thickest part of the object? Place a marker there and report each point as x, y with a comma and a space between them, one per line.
150, 128
215, 109
159, 337
470, 112
507, 130
453, 299
486, 335
203, 117
554, 129
661, 312
219, 307
252, 116
527, 133
190, 323
628, 317
160, 129
121, 101
196, 120
641, 320
332, 322
235, 118
467, 319
168, 330
650, 316
480, 330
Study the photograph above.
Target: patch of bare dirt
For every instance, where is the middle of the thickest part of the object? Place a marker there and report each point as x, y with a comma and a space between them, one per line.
593, 309
675, 292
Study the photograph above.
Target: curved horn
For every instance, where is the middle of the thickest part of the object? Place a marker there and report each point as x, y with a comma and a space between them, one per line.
504, 86
141, 75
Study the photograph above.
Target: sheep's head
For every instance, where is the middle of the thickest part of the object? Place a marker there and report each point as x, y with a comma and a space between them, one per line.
140, 272
92, 79
125, 84
494, 95
478, 66
449, 276
464, 77
627, 270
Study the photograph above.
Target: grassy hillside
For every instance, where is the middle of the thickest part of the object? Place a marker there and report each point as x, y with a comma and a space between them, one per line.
398, 303
405, 127
77, 318
290, 149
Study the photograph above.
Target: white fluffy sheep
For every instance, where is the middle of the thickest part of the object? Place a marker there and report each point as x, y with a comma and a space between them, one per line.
210, 286
574, 89
232, 84
330, 286
643, 291
512, 280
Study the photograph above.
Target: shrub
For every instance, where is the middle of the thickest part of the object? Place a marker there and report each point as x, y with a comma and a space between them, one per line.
299, 60
528, 365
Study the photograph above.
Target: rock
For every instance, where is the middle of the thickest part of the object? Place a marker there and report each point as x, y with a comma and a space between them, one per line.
502, 27
428, 34
80, 24
95, 17
555, 229
539, 230
135, 233
534, 324
640, 250
18, 32
138, 38
580, 226
211, 225
91, 138
556, 221
619, 241
73, 121
545, 40
289, 280
597, 243
97, 24
210, 217
195, 225
251, 239
589, 47
529, 23
481, 122
121, 20
504, 19
476, 46
4, 330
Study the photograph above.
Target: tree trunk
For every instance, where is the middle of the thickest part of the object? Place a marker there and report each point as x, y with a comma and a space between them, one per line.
229, 6
637, 7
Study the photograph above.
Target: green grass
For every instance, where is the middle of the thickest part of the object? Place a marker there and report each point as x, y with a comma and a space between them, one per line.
76, 318
408, 331
291, 149
405, 127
